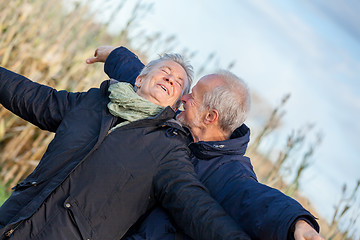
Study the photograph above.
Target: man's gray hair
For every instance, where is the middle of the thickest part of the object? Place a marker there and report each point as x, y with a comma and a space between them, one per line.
184, 63
231, 99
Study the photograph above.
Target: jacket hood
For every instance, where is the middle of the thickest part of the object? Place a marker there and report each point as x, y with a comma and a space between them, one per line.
236, 145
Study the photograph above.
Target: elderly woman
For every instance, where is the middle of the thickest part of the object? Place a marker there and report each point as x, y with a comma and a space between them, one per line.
93, 182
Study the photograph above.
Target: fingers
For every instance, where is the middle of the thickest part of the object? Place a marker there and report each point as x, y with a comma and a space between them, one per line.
303, 231
92, 60
317, 237
308, 236
100, 55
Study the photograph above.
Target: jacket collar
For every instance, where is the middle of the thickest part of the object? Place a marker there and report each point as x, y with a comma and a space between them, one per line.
236, 145
165, 118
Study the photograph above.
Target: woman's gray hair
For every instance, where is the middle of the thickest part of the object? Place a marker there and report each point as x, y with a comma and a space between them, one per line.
231, 100
184, 63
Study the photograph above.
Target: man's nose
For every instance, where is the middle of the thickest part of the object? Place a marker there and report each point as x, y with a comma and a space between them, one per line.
183, 99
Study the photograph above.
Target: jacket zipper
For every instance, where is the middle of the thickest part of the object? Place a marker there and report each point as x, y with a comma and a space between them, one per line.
12, 230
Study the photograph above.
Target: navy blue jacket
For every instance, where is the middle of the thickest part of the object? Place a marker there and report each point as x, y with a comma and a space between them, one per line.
263, 212
95, 184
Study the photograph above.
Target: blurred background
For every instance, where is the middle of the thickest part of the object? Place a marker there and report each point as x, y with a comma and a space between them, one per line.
301, 60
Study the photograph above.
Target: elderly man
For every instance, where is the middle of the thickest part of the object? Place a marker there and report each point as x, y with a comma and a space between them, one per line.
214, 113
115, 152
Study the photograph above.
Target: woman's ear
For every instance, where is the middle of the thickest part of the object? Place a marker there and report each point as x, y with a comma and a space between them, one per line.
138, 81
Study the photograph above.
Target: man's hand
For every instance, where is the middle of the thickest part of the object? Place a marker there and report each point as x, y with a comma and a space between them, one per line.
303, 231
100, 55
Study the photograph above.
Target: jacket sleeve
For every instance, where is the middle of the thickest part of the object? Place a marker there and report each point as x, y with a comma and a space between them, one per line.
123, 65
263, 212
156, 225
188, 201
41, 105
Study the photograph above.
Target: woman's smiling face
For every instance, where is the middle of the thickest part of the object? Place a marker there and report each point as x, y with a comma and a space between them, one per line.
164, 84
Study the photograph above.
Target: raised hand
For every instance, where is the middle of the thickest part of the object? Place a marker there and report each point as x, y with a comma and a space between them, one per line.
303, 231
100, 55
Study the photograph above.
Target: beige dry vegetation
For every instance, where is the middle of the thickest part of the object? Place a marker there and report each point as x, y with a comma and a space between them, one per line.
49, 45
292, 162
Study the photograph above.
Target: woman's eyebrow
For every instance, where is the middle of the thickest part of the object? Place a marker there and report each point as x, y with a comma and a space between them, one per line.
171, 71
167, 67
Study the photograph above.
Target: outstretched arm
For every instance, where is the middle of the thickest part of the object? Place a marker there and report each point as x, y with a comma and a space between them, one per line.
189, 203
120, 63
41, 105
263, 212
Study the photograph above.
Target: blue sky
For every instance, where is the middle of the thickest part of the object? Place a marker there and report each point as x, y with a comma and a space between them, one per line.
308, 48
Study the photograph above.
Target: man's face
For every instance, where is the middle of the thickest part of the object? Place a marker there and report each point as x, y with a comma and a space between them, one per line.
164, 84
192, 115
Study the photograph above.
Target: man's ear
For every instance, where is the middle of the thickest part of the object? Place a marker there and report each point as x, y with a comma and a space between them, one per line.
138, 81
211, 117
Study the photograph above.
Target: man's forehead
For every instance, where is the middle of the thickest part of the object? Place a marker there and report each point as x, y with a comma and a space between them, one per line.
216, 78
210, 81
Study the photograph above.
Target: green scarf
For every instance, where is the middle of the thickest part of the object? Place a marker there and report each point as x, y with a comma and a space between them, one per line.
125, 103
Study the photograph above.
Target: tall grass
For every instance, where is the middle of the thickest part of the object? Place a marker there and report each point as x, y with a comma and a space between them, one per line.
48, 43
3, 194
291, 162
